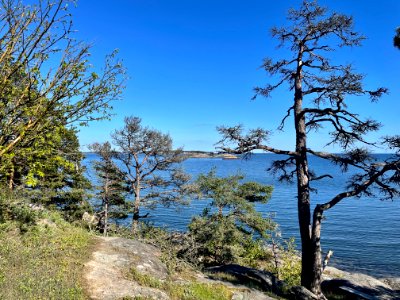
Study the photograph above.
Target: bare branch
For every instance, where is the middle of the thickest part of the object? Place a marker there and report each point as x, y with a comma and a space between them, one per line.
363, 187
253, 140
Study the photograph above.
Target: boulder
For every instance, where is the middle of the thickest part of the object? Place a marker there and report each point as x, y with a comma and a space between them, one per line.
264, 280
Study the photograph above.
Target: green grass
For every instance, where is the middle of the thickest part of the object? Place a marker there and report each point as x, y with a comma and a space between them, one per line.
183, 291
42, 261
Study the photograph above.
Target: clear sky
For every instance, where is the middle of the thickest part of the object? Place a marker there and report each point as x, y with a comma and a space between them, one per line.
193, 64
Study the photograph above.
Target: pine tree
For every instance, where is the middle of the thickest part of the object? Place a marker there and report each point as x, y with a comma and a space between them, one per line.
112, 186
226, 230
321, 90
152, 167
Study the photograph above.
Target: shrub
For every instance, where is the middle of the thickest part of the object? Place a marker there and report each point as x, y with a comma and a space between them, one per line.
230, 229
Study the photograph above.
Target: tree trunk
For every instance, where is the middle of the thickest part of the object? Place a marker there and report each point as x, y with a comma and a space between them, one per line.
11, 179
220, 215
316, 265
105, 218
136, 205
135, 219
303, 190
105, 204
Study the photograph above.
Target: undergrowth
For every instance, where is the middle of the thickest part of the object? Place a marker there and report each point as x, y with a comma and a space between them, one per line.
41, 259
183, 291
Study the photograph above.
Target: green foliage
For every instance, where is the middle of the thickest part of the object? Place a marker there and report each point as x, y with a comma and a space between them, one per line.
48, 86
287, 266
112, 187
48, 170
46, 74
18, 210
230, 229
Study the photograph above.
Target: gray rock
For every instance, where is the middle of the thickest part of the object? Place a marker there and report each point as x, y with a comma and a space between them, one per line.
393, 282
301, 293
250, 294
265, 280
356, 285
113, 257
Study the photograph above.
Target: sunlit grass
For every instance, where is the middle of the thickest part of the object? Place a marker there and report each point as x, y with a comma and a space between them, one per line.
43, 261
183, 291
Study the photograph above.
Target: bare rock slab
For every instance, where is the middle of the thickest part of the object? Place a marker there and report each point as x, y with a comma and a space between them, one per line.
359, 286
104, 274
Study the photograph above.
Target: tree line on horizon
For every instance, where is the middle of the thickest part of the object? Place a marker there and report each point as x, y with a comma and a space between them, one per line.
49, 88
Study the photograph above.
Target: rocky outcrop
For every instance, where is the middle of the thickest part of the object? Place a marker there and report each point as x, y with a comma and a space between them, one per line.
106, 277
357, 285
264, 280
105, 273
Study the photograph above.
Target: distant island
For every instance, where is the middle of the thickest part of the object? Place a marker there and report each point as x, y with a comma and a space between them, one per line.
207, 154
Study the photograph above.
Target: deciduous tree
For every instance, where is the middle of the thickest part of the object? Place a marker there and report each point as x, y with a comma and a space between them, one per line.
321, 90
45, 73
49, 168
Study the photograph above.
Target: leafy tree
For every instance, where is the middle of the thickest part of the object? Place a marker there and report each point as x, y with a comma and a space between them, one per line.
152, 166
45, 73
112, 187
49, 169
226, 230
321, 90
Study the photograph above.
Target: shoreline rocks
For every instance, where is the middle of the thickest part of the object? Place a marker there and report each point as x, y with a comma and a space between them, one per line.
359, 286
105, 277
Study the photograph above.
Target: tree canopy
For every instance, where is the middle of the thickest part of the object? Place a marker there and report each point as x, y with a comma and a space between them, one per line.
48, 88
45, 73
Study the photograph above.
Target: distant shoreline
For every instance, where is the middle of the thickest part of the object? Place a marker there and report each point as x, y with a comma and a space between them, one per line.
205, 154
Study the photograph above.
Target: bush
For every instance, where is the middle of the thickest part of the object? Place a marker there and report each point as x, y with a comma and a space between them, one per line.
230, 230
287, 263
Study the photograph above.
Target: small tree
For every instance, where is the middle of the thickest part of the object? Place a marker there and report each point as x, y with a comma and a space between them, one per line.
320, 91
226, 230
151, 165
112, 187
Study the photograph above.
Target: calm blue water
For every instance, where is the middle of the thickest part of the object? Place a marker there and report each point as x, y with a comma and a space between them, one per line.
363, 233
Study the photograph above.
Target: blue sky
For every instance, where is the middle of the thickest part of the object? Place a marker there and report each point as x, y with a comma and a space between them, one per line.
193, 64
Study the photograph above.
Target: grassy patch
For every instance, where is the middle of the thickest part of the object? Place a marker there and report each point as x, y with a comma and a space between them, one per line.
183, 291
43, 261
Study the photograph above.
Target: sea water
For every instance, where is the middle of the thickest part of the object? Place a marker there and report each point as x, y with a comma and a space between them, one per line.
363, 232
